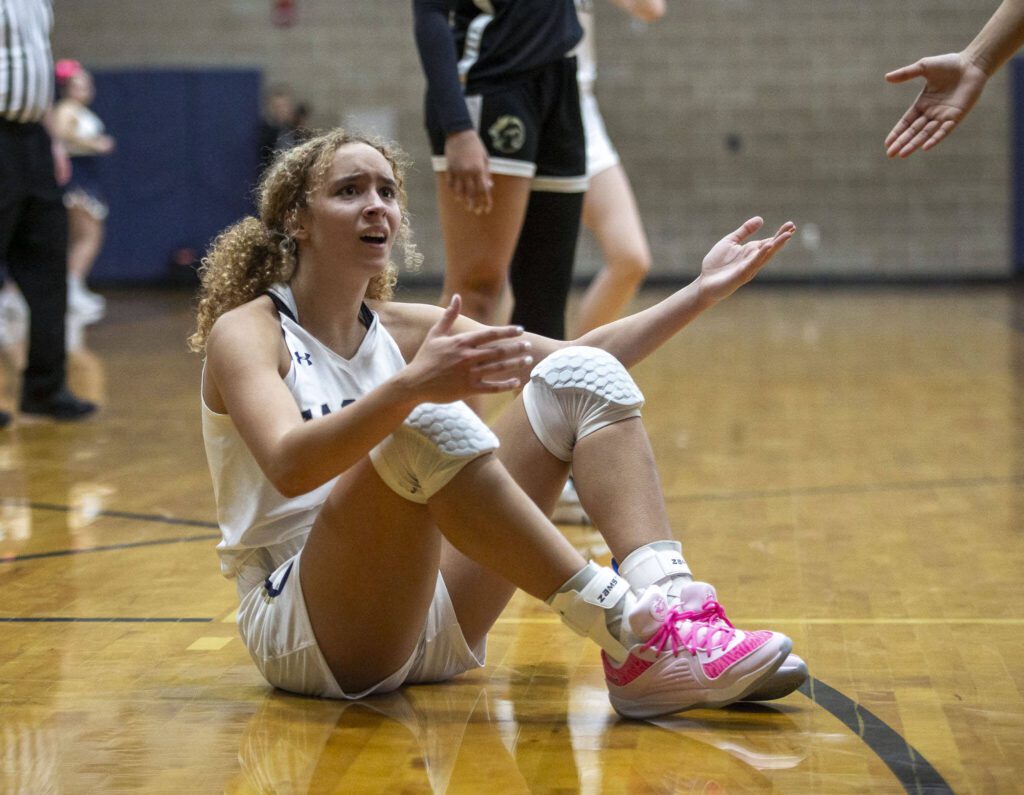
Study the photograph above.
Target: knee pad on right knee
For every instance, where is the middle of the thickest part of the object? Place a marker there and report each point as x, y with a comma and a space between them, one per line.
426, 451
576, 391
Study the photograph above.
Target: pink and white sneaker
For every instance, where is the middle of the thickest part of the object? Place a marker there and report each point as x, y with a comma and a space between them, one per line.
690, 656
787, 679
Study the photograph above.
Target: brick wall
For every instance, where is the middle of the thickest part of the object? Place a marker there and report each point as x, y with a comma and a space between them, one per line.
724, 109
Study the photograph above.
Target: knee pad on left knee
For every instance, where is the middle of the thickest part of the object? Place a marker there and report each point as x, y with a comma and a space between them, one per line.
576, 391
426, 451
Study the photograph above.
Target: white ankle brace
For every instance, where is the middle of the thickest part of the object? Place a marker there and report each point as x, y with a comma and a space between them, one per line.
659, 563
576, 391
587, 611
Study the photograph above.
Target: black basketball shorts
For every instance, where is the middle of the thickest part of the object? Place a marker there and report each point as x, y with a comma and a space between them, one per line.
531, 127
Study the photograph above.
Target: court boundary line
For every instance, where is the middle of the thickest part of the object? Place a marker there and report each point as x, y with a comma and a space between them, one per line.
823, 622
99, 620
61, 553
915, 773
141, 517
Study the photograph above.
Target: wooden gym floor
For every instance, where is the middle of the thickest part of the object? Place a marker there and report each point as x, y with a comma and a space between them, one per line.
845, 465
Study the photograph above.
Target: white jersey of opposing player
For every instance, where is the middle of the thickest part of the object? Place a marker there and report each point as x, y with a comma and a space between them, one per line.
250, 511
87, 125
586, 60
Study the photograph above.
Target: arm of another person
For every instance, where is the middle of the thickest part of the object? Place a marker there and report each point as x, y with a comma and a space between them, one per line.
730, 264
954, 82
61, 161
644, 10
61, 122
246, 363
468, 175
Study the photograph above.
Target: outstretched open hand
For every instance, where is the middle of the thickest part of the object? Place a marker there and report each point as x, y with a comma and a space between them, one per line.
450, 367
953, 85
731, 263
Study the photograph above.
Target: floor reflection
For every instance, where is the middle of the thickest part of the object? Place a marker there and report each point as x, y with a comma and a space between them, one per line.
295, 744
464, 738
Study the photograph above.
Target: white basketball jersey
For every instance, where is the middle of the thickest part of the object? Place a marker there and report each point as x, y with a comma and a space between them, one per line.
87, 125
250, 511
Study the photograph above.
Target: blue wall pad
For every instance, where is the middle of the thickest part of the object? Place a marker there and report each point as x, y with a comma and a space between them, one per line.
185, 164
1017, 109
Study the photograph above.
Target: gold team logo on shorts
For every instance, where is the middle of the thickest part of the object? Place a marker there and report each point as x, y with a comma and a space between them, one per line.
508, 134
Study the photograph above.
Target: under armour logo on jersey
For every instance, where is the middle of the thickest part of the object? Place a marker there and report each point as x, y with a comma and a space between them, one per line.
307, 414
303, 358
508, 134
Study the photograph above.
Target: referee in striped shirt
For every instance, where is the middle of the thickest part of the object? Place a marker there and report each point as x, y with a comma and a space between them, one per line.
33, 221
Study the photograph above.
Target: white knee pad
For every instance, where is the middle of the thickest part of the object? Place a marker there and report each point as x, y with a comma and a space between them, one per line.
427, 450
576, 391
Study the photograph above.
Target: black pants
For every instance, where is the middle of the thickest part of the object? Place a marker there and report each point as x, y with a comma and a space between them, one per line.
34, 246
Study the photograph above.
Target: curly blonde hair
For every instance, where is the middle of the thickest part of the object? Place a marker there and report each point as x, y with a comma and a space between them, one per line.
255, 253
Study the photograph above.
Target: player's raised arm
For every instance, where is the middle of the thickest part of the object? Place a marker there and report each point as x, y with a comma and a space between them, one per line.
954, 82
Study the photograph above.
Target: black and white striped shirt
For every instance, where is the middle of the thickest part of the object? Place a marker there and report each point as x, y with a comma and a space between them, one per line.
26, 63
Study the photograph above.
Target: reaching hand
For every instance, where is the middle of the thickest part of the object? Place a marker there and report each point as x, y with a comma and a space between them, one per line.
644, 10
469, 176
731, 263
450, 366
953, 86
104, 144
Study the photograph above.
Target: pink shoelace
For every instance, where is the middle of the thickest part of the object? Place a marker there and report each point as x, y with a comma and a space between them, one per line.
704, 633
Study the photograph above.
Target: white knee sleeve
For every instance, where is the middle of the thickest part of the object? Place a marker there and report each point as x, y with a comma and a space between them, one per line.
427, 450
576, 391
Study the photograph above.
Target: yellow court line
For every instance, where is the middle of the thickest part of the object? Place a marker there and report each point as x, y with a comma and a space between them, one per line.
210, 644
741, 622
885, 621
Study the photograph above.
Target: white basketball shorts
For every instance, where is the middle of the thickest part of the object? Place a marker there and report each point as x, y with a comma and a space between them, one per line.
276, 630
601, 154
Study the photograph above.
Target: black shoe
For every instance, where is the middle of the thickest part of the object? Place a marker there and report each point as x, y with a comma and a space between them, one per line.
61, 406
5, 419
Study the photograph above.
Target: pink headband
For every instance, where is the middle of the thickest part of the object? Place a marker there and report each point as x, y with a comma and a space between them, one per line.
65, 69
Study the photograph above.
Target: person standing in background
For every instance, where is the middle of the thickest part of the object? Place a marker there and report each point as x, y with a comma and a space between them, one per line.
503, 116
33, 220
84, 137
279, 125
610, 210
